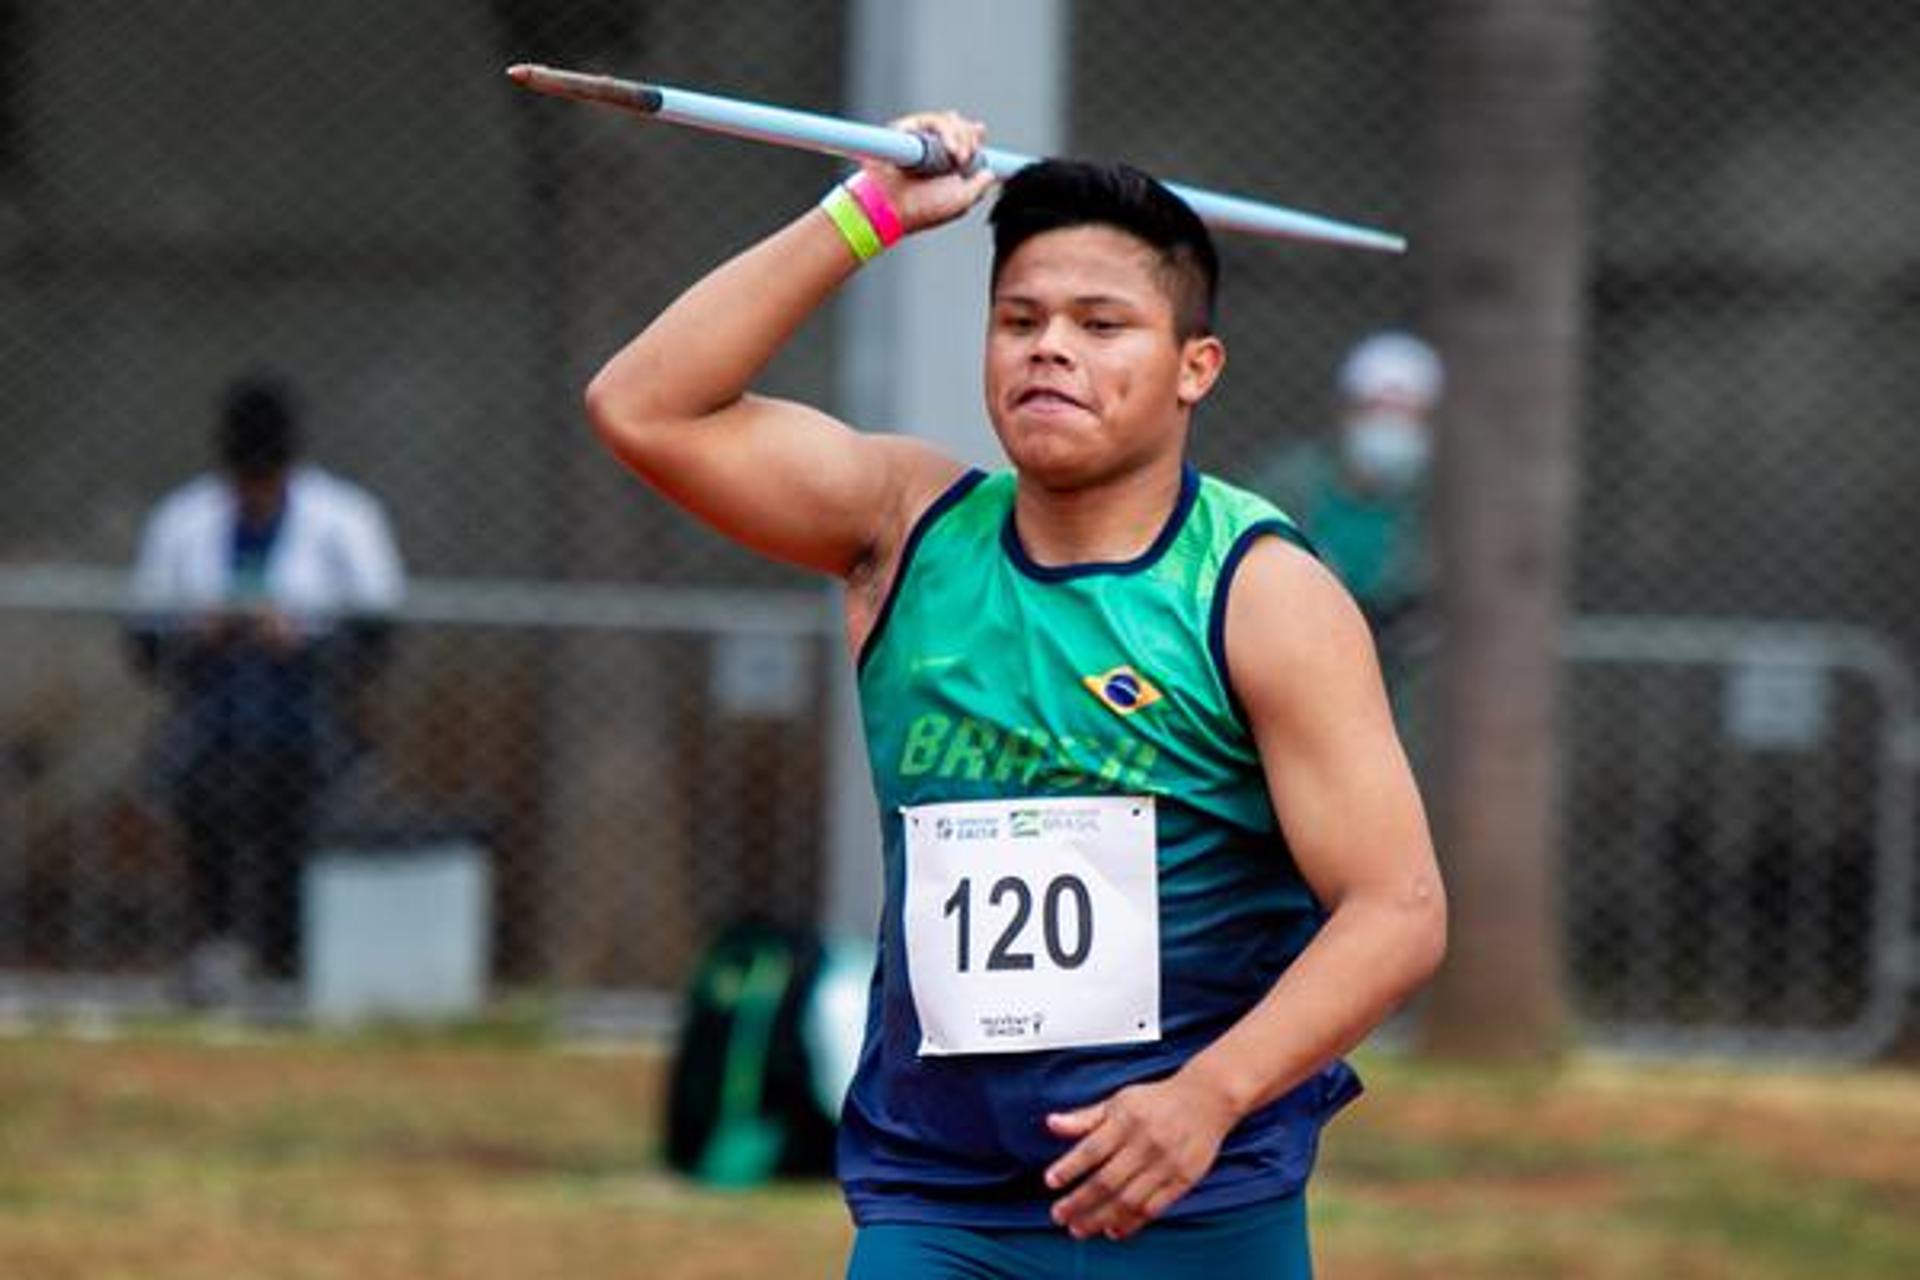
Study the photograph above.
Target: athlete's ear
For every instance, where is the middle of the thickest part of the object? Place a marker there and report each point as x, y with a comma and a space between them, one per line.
1202, 357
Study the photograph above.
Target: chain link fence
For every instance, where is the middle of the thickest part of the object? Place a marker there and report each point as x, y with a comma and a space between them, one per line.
625, 721
354, 199
1740, 820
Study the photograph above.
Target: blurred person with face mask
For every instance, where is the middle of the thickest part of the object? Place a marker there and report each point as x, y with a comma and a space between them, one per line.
1362, 498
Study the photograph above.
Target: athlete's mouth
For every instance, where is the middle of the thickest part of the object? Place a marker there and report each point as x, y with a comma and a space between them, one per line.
1046, 397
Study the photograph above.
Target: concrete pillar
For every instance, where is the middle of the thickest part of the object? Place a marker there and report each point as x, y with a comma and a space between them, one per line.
914, 321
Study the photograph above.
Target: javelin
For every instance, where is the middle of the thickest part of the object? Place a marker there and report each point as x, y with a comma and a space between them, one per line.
916, 152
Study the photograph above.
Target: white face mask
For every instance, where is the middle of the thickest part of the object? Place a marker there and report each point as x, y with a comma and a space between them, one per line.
1386, 450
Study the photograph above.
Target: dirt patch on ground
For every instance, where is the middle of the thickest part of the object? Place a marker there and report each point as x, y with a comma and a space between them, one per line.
1531, 1193
318, 1160
1863, 1127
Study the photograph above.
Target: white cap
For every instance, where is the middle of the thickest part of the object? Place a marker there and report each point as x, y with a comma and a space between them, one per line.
1392, 366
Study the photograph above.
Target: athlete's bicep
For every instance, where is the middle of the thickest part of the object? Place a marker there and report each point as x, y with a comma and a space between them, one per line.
1302, 664
783, 479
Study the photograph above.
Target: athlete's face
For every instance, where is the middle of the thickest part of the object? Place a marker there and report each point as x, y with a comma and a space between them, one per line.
1086, 377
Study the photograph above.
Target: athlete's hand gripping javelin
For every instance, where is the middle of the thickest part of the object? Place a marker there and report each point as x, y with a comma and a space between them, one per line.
924, 202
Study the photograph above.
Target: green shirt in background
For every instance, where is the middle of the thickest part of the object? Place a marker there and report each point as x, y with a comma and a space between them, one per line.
1375, 542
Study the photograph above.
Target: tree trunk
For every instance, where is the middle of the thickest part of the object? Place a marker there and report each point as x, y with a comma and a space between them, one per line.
1502, 250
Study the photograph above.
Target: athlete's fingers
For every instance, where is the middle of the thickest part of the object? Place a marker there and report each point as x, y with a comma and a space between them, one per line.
1163, 1198
1124, 1212
1076, 1124
979, 183
1088, 1155
1139, 1207
958, 135
1092, 1149
1086, 1210
923, 201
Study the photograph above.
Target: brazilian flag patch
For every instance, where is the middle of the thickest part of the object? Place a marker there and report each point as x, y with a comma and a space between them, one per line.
1122, 690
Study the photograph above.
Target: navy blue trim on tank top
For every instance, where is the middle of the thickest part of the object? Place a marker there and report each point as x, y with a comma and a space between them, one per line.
938, 507
1010, 541
1217, 617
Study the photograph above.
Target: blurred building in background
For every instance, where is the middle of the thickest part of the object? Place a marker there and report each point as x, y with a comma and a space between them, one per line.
633, 718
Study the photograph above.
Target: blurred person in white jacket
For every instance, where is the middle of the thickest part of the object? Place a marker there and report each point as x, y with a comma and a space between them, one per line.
266, 589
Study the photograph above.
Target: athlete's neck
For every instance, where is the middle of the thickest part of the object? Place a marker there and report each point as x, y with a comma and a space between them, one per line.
1107, 523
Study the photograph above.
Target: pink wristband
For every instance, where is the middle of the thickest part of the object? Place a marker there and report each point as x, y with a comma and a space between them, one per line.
879, 210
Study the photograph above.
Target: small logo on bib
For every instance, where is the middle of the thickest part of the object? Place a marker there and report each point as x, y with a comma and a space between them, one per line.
1122, 690
966, 829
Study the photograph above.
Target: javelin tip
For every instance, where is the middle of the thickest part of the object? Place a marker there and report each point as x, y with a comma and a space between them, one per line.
628, 95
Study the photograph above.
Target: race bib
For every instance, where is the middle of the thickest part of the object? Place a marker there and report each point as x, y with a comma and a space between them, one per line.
1033, 924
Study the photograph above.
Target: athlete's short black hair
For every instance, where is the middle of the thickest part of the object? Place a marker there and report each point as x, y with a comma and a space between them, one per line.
1057, 194
257, 434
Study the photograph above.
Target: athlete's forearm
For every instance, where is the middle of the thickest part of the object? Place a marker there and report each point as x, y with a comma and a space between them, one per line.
1374, 951
701, 353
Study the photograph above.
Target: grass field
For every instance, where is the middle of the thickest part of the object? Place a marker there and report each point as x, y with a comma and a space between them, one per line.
163, 1156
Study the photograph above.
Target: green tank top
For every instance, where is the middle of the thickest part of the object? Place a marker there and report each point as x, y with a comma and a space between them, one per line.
990, 676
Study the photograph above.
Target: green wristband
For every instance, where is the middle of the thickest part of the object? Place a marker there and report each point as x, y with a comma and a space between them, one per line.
853, 223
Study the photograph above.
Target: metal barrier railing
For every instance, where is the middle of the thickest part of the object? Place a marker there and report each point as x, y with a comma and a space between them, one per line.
1760, 872
643, 764
1738, 818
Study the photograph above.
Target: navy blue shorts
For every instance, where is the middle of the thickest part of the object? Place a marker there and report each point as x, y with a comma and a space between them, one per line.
1265, 1241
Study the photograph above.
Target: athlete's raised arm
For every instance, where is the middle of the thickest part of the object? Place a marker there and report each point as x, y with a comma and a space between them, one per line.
782, 478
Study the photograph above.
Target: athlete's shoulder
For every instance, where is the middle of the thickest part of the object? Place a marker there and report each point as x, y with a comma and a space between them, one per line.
1287, 629
958, 497
1230, 521
1241, 503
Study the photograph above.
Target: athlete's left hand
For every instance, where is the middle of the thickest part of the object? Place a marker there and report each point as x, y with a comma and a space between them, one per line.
1136, 1153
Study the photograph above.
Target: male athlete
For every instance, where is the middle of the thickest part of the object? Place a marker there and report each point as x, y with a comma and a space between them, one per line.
1153, 855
